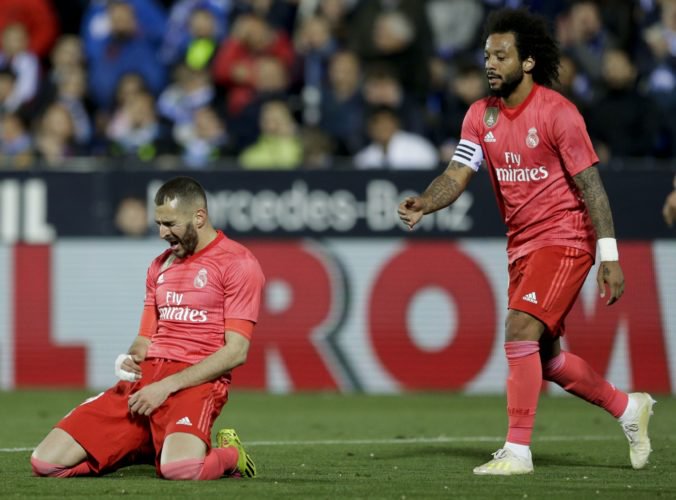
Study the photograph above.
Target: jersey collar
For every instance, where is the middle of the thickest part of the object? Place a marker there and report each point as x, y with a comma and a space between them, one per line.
219, 237
513, 113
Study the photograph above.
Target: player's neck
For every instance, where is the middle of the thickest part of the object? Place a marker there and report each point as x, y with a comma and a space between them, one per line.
520, 94
207, 236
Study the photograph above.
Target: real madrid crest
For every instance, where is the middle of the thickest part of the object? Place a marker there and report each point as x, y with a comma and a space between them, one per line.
532, 138
201, 279
491, 116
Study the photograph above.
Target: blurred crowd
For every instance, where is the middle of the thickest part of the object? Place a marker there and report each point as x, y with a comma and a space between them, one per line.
285, 84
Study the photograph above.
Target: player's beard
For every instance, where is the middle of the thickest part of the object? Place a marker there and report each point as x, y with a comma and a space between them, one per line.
509, 84
189, 241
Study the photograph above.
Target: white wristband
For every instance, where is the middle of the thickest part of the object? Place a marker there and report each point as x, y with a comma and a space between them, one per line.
124, 374
608, 249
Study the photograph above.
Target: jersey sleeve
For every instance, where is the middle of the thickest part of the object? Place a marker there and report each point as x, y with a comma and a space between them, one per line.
572, 140
468, 151
151, 285
243, 290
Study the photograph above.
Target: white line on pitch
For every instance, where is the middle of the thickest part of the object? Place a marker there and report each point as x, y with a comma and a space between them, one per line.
421, 440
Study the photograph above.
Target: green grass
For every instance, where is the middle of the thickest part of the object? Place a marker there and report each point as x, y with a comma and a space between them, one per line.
325, 446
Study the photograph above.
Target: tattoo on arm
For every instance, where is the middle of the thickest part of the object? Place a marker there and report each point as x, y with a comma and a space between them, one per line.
589, 183
446, 188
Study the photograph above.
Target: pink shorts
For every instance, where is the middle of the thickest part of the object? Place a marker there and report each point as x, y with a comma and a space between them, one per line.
546, 282
112, 437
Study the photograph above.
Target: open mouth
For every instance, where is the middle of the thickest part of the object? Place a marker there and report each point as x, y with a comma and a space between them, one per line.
493, 78
173, 244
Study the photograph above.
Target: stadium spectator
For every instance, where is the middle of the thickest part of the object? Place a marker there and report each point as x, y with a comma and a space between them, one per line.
66, 55
124, 50
131, 217
279, 14
174, 380
278, 147
455, 26
203, 139
150, 20
8, 104
197, 27
15, 54
37, 17
381, 88
585, 39
669, 210
342, 108
393, 148
235, 65
554, 214
467, 85
336, 12
271, 84
395, 34
314, 46
635, 117
16, 150
135, 130
55, 136
191, 90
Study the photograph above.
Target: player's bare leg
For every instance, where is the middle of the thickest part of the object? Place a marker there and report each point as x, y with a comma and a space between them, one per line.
184, 456
522, 336
59, 455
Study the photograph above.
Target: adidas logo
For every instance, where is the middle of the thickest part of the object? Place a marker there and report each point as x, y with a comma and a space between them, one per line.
160, 280
184, 421
489, 137
530, 297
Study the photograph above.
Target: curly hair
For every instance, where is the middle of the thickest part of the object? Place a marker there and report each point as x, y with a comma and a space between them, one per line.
533, 39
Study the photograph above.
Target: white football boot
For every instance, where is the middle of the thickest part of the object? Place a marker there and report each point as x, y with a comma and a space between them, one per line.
505, 463
635, 427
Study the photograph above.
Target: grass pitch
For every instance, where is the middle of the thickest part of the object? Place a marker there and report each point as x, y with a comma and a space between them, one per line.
326, 446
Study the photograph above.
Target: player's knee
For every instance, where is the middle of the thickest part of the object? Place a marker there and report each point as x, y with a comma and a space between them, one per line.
520, 326
182, 470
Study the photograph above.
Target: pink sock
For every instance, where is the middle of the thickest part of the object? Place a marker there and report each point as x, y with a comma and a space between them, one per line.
45, 469
213, 466
219, 461
576, 376
523, 389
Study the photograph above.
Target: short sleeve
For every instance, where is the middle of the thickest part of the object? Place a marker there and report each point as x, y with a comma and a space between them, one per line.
468, 151
151, 285
244, 287
572, 140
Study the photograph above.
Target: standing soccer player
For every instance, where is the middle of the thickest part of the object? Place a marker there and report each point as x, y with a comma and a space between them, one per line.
201, 304
542, 167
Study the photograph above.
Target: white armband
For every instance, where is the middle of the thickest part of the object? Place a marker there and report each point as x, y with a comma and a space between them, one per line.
468, 153
608, 249
124, 374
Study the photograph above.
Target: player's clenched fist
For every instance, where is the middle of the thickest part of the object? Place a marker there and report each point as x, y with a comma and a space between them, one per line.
411, 211
127, 368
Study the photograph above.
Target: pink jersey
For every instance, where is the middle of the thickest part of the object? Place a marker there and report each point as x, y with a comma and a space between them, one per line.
532, 153
194, 296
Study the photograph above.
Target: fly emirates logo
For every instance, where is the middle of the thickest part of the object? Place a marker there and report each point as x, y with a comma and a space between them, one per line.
174, 311
514, 172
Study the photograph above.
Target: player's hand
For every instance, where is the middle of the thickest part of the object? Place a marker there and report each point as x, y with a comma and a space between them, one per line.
148, 399
127, 367
669, 210
411, 211
610, 273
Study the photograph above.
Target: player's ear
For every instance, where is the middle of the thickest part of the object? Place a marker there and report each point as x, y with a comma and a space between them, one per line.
528, 64
200, 217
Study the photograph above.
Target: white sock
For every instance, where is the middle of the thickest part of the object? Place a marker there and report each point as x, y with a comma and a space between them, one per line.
630, 410
520, 450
